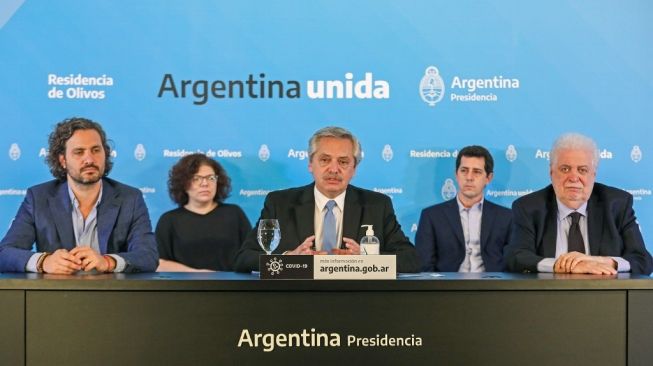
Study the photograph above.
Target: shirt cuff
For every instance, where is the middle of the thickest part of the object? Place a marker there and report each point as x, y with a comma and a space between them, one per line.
546, 265
31, 263
622, 264
120, 263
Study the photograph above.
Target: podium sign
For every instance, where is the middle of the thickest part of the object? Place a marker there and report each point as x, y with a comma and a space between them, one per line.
355, 267
328, 267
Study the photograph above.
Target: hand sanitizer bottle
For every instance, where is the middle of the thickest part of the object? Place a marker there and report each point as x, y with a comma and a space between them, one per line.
370, 244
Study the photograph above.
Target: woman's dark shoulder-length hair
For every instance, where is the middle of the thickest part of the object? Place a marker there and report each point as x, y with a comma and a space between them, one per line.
181, 175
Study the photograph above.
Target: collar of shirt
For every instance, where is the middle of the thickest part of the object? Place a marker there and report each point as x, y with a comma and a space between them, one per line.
74, 201
470, 219
478, 205
321, 200
564, 211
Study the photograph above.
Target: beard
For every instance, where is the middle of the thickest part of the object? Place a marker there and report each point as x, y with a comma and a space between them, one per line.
85, 179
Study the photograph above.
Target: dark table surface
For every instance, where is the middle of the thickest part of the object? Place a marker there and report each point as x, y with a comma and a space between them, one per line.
229, 281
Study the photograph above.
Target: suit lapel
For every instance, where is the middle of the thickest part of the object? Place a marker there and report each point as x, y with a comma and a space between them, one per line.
107, 213
453, 216
352, 214
61, 213
487, 219
305, 214
551, 226
594, 220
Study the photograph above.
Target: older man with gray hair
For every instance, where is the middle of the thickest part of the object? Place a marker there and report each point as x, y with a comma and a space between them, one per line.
576, 225
325, 217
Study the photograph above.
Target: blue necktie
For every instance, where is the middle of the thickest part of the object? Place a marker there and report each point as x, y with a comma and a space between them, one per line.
329, 233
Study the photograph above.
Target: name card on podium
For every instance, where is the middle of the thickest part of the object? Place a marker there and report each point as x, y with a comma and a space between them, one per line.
286, 267
328, 267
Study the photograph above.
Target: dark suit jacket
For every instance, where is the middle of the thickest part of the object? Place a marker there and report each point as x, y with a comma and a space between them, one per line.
45, 218
440, 241
295, 210
611, 226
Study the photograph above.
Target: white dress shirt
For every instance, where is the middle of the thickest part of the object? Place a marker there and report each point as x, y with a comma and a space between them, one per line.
470, 218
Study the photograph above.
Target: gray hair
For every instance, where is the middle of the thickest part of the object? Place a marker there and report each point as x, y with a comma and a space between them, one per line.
574, 141
339, 133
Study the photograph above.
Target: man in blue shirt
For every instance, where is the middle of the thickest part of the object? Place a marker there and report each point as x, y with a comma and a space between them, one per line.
467, 233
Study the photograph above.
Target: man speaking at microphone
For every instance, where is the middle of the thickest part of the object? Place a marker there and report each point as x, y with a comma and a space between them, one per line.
325, 217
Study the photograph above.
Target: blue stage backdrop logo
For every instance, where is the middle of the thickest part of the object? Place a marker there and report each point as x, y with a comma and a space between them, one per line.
636, 154
448, 190
264, 153
511, 153
387, 153
14, 152
254, 87
431, 87
139, 152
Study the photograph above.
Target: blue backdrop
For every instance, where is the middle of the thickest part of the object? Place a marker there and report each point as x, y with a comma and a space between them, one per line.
248, 82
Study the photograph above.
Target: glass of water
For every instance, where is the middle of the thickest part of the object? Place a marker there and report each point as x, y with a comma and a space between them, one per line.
269, 234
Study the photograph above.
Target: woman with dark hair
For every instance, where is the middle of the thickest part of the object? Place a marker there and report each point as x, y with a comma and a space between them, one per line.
203, 233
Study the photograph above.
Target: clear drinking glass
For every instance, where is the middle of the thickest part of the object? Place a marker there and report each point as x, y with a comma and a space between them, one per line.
269, 234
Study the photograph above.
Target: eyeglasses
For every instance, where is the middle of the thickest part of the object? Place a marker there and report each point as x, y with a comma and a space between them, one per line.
211, 178
325, 160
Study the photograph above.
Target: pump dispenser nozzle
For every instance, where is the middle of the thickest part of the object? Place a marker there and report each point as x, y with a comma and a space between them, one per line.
370, 244
369, 231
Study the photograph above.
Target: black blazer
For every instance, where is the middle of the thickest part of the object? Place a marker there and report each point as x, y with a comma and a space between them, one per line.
440, 241
295, 210
611, 224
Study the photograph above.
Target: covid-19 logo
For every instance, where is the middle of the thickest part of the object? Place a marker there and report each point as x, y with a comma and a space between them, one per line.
274, 266
431, 87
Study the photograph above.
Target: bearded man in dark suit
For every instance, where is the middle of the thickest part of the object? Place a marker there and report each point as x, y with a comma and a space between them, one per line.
82, 220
